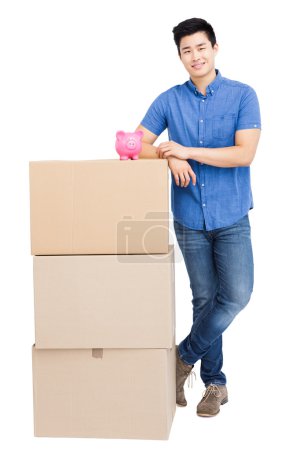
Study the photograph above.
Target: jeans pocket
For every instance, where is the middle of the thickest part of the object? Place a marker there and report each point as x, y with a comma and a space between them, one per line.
244, 221
177, 225
179, 232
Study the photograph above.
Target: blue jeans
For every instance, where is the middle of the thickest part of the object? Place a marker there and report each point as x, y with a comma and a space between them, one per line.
220, 268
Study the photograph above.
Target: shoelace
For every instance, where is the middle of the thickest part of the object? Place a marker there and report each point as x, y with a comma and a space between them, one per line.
190, 379
212, 389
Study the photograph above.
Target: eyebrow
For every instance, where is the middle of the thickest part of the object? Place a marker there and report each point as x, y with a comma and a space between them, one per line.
198, 45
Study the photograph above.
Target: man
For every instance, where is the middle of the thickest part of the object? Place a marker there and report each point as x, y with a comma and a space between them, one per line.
214, 128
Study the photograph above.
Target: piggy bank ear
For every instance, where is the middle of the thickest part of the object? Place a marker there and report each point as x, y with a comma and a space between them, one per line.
120, 134
140, 133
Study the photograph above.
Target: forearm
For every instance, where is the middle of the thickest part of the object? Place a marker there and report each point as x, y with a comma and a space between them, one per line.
221, 157
148, 151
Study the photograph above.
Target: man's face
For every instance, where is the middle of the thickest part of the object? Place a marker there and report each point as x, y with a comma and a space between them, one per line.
197, 54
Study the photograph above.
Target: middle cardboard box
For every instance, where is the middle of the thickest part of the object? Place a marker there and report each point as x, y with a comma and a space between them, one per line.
104, 301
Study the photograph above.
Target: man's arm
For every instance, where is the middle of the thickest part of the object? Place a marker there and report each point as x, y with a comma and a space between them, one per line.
181, 170
241, 154
148, 150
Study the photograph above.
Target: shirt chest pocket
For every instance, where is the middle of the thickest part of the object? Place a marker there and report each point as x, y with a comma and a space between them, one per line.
223, 127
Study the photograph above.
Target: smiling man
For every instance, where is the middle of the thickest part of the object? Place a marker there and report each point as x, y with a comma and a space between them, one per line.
214, 127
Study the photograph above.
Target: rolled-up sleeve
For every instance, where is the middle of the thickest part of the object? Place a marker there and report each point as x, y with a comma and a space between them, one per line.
155, 119
249, 112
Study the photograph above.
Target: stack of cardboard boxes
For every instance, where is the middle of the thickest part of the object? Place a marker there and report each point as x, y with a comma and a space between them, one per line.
104, 355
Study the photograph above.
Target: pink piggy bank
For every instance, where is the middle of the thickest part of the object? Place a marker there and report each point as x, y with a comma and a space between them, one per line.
129, 145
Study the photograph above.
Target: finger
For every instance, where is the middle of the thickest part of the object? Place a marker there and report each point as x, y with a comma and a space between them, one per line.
187, 179
167, 153
165, 150
182, 179
176, 178
162, 150
193, 175
161, 155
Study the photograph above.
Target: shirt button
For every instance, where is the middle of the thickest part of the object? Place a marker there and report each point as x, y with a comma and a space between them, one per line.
201, 142
212, 90
202, 185
201, 120
203, 100
204, 204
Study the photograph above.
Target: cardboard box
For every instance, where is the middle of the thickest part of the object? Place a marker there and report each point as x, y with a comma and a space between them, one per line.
99, 207
104, 393
110, 301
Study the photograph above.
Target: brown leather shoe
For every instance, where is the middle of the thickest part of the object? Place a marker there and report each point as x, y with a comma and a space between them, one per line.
213, 397
182, 372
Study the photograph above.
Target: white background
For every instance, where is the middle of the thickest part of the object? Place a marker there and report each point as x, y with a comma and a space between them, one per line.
74, 72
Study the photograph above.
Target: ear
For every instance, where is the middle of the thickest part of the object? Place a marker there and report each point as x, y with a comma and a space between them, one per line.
216, 48
140, 133
120, 134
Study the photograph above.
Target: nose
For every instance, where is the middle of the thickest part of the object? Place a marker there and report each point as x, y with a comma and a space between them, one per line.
195, 55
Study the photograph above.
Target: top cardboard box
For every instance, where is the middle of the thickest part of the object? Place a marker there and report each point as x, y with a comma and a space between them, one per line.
99, 207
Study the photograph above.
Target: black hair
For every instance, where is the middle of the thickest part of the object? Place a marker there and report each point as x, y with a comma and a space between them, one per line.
191, 26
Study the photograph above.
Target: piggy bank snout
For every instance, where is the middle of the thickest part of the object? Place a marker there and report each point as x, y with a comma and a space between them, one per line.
131, 143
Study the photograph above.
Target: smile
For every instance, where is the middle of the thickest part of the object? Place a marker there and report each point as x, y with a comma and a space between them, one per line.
198, 65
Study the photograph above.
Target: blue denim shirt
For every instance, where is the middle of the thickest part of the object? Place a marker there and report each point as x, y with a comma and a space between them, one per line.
221, 196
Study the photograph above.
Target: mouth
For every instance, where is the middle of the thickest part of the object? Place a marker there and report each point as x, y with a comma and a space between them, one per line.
198, 65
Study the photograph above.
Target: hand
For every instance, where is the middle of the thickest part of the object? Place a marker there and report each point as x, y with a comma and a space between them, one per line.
171, 148
182, 171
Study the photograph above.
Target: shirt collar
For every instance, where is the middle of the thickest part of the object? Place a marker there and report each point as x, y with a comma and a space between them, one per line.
211, 88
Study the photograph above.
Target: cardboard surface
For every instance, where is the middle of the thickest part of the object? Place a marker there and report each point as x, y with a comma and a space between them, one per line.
86, 301
104, 393
99, 207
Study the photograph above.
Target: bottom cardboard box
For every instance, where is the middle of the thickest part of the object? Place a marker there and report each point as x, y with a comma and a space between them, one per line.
104, 393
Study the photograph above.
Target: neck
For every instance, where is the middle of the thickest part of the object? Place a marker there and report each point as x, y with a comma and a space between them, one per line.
201, 83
